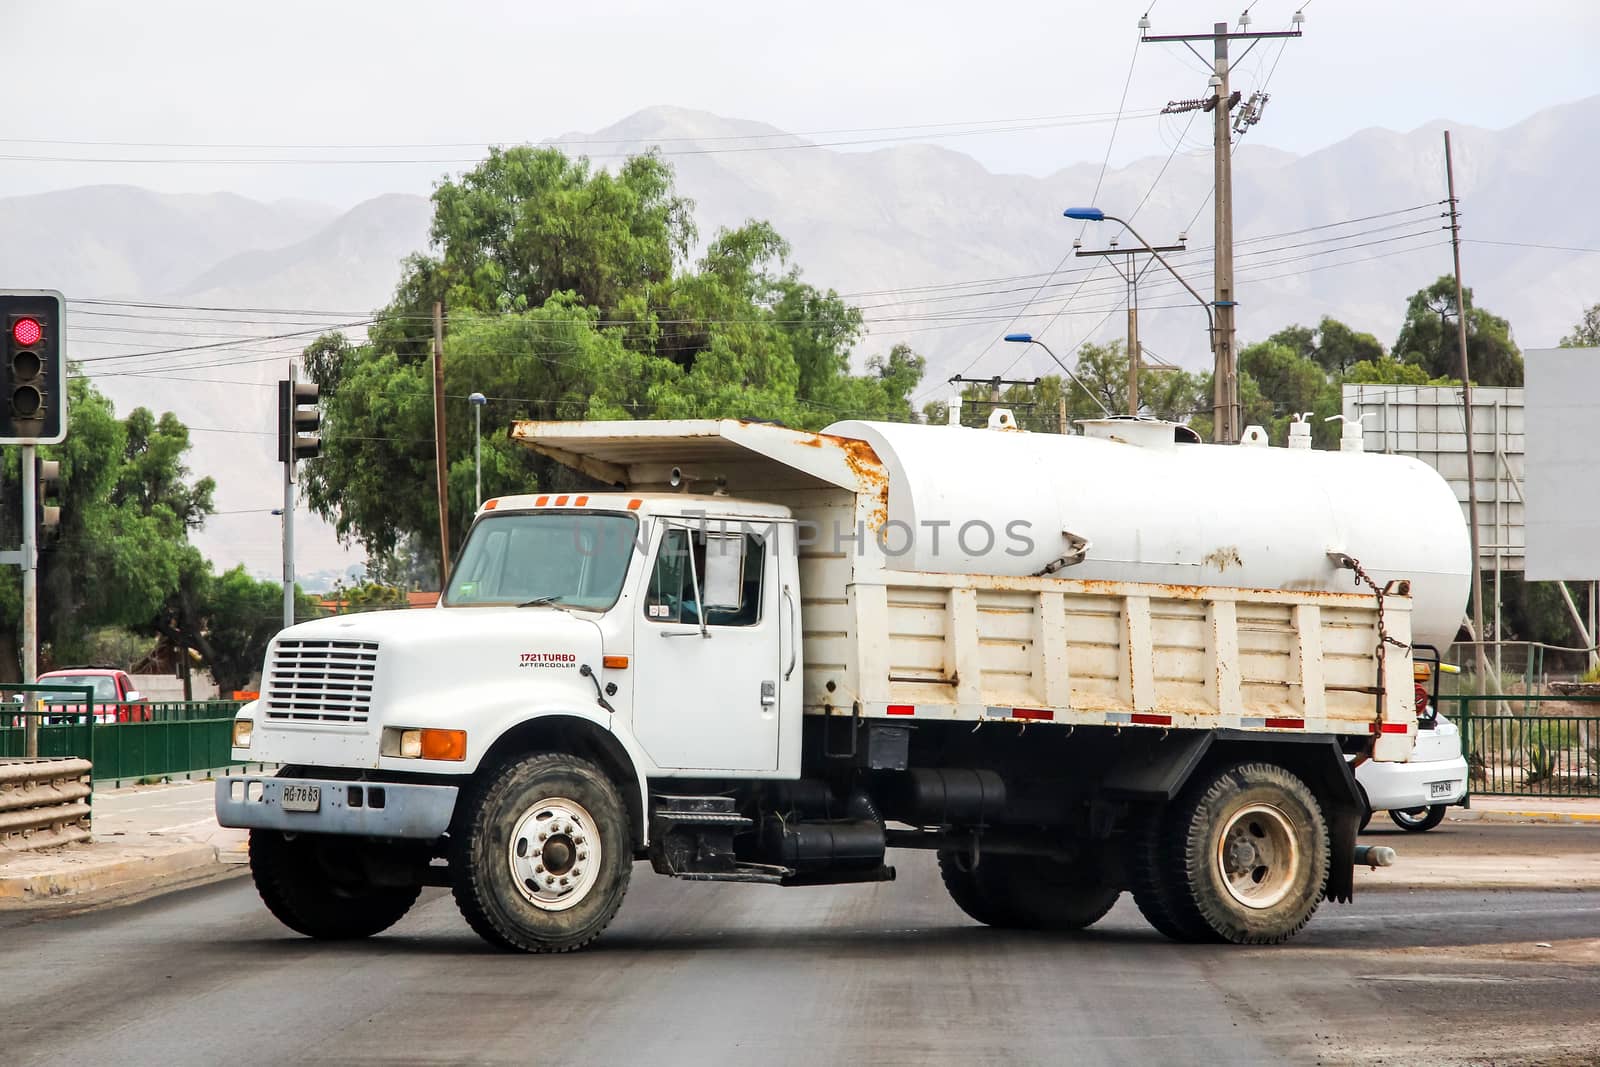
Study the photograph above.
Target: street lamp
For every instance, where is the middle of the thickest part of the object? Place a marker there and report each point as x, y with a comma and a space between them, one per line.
1094, 214
477, 400
1029, 339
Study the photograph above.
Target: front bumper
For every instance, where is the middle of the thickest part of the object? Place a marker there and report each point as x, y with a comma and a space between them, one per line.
1402, 786
365, 809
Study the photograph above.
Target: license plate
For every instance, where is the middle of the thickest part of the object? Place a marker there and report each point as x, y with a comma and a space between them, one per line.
1440, 789
302, 797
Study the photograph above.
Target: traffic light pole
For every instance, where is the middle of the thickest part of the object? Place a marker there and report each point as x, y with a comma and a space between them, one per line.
30, 595
288, 528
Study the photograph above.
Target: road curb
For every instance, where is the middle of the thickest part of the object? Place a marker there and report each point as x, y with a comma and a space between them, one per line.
1576, 818
79, 880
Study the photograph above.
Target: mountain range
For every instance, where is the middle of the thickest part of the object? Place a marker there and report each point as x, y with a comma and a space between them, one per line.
938, 251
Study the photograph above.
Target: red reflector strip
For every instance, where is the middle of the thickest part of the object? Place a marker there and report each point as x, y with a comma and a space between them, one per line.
902, 709
1147, 719
1039, 714
1390, 728
1286, 724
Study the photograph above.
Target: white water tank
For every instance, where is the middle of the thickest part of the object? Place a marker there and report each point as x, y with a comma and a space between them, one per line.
1154, 510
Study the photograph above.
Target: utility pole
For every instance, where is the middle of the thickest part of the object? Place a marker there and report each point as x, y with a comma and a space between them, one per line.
1131, 275
1466, 413
1226, 415
438, 445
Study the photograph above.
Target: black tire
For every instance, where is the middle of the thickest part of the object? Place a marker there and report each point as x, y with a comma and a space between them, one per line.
1418, 820
308, 897
1028, 892
1150, 887
1244, 856
497, 879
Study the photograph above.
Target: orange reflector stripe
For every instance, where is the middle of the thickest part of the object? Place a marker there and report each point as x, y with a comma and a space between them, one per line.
579, 501
444, 744
490, 505
614, 663
541, 502
633, 505
561, 501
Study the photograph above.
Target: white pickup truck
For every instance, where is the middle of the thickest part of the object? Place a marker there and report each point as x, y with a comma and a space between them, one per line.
1072, 666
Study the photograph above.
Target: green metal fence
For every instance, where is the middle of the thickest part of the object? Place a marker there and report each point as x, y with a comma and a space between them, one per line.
1526, 746
182, 738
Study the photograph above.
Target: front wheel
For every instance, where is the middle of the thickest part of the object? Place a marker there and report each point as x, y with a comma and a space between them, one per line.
1416, 820
314, 892
1028, 892
543, 859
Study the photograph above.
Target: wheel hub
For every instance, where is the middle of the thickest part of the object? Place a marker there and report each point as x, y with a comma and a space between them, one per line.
554, 854
1259, 856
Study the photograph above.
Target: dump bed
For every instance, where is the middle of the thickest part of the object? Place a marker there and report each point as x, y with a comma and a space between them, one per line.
884, 640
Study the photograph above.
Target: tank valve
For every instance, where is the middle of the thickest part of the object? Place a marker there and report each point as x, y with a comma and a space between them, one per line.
1300, 430
1352, 438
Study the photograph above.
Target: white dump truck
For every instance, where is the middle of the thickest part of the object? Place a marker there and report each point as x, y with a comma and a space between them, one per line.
1072, 666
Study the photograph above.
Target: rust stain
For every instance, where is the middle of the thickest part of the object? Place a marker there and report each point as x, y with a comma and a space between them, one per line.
1223, 558
864, 463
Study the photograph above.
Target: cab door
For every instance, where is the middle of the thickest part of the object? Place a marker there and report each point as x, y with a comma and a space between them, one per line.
707, 683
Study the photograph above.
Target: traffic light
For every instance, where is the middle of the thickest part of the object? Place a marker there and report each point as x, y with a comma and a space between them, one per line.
34, 408
48, 477
298, 419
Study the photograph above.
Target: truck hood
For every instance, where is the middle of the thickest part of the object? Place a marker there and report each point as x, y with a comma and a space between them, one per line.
440, 658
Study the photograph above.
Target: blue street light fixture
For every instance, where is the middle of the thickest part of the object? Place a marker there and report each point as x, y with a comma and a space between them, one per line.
1028, 339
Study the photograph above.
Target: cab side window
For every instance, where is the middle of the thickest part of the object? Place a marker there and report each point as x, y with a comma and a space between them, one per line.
700, 572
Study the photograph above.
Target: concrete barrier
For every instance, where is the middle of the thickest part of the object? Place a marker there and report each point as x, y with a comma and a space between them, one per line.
44, 802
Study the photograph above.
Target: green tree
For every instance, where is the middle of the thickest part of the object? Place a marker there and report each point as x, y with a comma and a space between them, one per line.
1429, 338
1586, 334
1277, 383
228, 619
1385, 371
569, 296
1332, 345
128, 502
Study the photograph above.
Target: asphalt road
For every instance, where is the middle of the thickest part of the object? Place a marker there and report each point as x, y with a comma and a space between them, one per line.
708, 974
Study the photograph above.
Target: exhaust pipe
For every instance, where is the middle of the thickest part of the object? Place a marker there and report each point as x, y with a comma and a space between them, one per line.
1375, 856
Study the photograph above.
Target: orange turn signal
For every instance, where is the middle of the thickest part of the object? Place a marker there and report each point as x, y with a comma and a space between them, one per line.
614, 663
444, 744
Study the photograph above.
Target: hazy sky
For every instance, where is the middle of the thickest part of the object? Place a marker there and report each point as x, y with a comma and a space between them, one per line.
360, 74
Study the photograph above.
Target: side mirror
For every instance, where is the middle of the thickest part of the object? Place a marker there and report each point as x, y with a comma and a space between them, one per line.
133, 695
724, 577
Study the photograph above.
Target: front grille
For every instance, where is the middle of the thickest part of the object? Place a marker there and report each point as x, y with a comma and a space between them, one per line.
321, 681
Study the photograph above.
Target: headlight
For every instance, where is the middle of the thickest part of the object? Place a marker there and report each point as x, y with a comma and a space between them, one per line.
242, 731
424, 744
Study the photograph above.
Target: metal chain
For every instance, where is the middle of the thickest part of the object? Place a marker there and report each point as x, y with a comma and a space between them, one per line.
1362, 577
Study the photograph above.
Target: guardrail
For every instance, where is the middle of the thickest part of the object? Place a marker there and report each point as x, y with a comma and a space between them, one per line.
1548, 747
44, 802
182, 737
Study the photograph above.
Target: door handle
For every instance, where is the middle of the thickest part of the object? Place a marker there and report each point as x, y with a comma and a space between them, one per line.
769, 694
794, 634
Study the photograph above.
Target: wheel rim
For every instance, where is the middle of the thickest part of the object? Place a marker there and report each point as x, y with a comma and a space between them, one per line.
1258, 856
555, 854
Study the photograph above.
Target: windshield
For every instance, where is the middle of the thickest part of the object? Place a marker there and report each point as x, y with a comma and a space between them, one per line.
574, 559
105, 687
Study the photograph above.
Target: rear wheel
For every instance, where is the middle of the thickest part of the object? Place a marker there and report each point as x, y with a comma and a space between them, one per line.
1242, 856
313, 896
545, 855
1028, 892
1416, 820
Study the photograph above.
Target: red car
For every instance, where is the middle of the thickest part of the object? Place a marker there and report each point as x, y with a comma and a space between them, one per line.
115, 698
